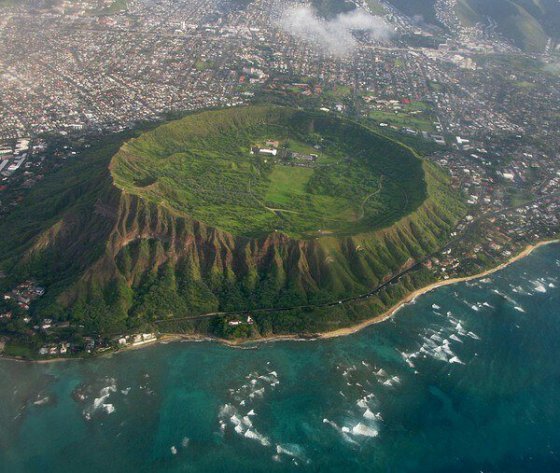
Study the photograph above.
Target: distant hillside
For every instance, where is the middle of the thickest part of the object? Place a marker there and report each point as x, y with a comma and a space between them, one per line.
526, 23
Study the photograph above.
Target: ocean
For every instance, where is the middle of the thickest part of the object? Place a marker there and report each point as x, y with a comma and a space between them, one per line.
465, 379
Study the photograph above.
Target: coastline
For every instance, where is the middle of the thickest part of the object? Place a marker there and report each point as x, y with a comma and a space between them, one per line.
413, 295
341, 332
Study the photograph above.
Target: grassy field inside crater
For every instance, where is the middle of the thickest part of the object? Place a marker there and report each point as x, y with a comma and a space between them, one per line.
328, 177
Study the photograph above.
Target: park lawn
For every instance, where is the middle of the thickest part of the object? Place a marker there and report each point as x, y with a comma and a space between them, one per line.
287, 182
420, 122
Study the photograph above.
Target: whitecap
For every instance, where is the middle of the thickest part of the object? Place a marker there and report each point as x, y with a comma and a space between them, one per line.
258, 392
436, 338
519, 309
455, 359
104, 395
439, 354
254, 435
455, 338
173, 450
364, 430
362, 403
293, 450
227, 410
42, 401
460, 329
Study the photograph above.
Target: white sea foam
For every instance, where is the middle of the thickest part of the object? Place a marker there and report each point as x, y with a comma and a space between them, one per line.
257, 393
407, 358
436, 307
436, 338
185, 442
455, 359
455, 338
104, 395
227, 410
519, 309
539, 287
41, 401
173, 450
254, 435
364, 430
292, 450
362, 403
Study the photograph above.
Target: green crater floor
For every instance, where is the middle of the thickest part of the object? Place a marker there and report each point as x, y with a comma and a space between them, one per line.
328, 177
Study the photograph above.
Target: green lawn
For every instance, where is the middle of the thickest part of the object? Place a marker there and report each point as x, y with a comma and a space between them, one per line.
422, 121
285, 182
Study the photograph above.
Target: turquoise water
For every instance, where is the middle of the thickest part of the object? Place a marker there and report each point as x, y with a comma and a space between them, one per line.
465, 379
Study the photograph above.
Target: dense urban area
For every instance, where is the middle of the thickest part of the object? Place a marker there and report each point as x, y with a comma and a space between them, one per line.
466, 98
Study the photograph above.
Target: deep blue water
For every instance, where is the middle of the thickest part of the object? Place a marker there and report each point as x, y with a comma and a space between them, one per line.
466, 379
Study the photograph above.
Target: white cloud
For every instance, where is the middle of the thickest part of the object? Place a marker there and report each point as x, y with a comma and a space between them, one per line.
336, 35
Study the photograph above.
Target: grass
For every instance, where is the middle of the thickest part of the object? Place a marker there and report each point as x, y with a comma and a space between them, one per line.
201, 167
339, 92
403, 119
287, 181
